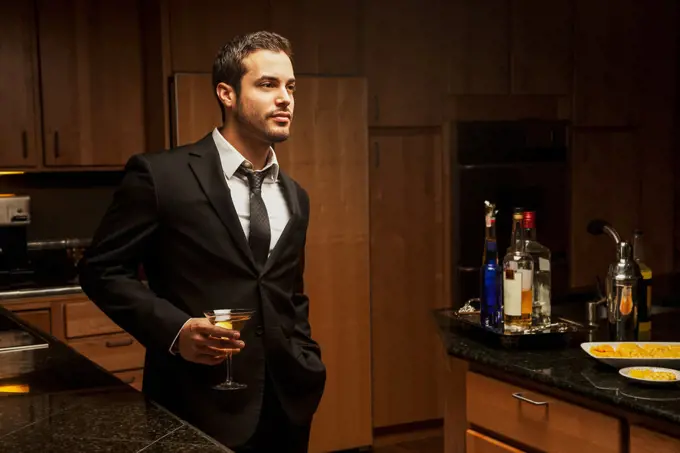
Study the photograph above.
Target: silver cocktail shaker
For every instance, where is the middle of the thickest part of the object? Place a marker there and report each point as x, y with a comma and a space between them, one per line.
623, 295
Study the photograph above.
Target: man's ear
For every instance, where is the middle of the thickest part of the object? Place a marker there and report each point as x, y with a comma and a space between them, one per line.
226, 95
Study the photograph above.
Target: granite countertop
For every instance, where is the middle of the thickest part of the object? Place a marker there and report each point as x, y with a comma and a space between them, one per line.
53, 399
565, 366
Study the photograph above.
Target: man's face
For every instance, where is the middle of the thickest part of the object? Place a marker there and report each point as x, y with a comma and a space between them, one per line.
265, 106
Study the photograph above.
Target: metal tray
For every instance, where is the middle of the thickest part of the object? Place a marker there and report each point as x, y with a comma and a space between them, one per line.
560, 332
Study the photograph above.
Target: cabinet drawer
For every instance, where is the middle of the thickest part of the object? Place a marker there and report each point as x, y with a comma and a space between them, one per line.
40, 319
133, 378
85, 318
538, 421
646, 441
113, 352
479, 443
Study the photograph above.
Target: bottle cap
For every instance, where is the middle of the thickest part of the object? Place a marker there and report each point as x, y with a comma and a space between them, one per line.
529, 219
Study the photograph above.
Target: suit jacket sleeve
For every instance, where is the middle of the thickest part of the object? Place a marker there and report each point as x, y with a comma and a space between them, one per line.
108, 269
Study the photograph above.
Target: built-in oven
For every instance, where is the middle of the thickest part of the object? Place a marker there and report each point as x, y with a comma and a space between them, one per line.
512, 164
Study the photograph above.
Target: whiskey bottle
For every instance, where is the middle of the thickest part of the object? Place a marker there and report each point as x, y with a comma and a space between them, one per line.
542, 277
518, 285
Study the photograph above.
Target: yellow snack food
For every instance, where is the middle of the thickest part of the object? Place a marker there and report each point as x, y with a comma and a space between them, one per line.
635, 351
646, 373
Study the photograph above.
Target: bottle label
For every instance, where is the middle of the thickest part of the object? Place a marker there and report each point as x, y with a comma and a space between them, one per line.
543, 264
512, 292
527, 279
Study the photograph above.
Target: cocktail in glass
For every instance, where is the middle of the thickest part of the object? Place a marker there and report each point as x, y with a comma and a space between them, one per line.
233, 319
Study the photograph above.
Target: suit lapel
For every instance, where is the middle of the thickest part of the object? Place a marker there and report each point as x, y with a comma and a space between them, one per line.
291, 196
205, 164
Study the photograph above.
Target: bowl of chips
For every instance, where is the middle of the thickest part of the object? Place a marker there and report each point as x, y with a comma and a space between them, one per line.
635, 354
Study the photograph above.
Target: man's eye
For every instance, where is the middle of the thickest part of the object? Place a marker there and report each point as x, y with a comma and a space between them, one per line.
267, 85
291, 88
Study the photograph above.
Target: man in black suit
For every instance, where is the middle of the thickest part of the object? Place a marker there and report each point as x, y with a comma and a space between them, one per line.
216, 224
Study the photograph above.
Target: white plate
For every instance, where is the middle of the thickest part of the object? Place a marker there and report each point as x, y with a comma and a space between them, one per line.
625, 372
624, 362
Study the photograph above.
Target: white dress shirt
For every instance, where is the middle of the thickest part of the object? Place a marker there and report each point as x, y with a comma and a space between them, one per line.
272, 194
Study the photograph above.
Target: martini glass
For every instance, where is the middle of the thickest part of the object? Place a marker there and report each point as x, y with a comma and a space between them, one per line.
233, 319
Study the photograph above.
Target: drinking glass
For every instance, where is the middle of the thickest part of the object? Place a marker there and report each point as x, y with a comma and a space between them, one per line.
233, 319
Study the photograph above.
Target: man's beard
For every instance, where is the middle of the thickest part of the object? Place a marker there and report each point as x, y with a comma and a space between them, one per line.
259, 129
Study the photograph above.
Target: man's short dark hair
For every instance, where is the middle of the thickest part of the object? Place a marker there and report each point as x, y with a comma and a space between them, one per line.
228, 65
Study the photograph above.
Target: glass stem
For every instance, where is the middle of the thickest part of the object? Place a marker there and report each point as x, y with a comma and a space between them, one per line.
228, 367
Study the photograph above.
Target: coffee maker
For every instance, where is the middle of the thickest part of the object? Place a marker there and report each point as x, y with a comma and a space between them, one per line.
15, 216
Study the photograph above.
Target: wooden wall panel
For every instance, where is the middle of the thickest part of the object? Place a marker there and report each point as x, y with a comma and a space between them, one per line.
541, 37
478, 46
605, 184
325, 37
199, 28
407, 263
328, 155
194, 107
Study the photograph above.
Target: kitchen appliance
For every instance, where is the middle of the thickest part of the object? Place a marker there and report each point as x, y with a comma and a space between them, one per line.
513, 164
15, 217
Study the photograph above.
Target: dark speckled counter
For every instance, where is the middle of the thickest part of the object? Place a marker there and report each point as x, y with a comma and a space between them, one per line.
568, 369
72, 405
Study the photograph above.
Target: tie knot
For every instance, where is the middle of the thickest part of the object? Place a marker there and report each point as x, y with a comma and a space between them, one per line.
255, 178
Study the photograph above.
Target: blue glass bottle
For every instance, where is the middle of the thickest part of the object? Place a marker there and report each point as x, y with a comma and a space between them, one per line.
491, 313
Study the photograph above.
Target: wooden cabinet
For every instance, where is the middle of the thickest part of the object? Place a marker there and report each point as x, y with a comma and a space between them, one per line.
195, 109
643, 440
78, 322
326, 38
604, 62
606, 184
327, 154
538, 421
406, 274
198, 29
20, 136
404, 61
478, 46
541, 36
479, 443
40, 319
90, 81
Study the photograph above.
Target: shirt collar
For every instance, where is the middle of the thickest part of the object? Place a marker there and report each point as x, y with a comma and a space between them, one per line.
231, 159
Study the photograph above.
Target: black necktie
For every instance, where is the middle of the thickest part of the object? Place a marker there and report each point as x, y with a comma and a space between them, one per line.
260, 233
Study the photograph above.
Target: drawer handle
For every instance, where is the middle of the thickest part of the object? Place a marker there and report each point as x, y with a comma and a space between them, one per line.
129, 380
119, 343
521, 397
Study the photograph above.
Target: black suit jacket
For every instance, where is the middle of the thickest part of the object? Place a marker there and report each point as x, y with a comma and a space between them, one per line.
173, 213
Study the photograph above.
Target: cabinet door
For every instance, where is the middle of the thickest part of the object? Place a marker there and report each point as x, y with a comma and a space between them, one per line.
646, 441
92, 78
405, 62
605, 184
19, 102
199, 28
40, 319
195, 108
327, 154
541, 46
604, 62
406, 276
325, 38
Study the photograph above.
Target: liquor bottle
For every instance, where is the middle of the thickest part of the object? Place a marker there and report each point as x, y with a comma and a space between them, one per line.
645, 307
490, 307
518, 273
542, 277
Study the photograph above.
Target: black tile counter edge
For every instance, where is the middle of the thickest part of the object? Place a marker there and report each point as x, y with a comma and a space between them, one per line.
113, 386
635, 411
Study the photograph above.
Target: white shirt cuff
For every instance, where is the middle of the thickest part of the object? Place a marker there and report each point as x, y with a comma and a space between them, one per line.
176, 337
